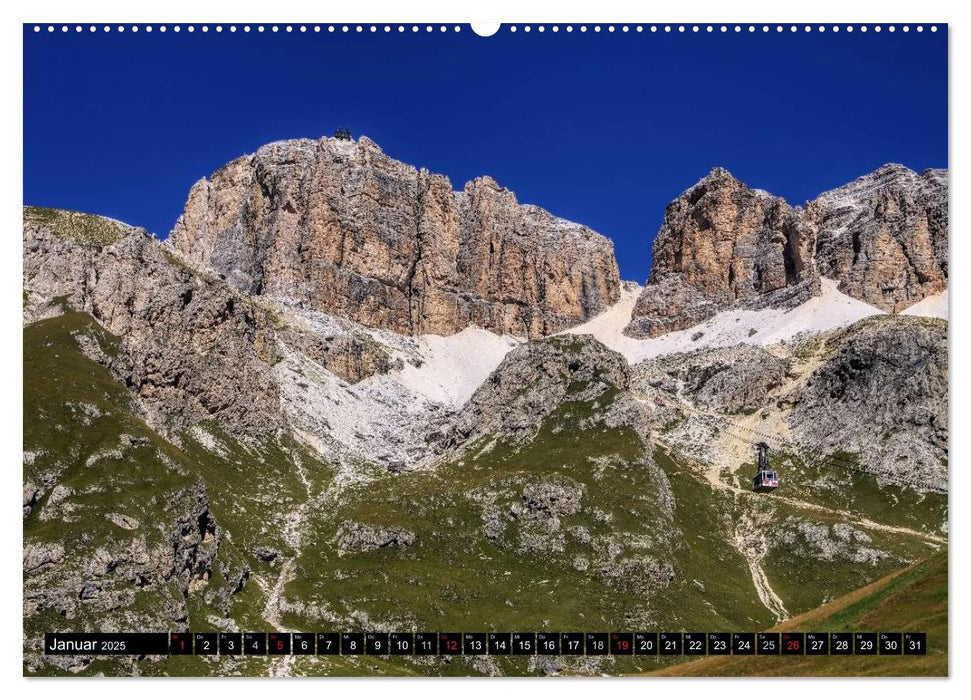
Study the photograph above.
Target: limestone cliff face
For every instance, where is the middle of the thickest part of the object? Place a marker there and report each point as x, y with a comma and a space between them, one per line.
884, 236
340, 227
720, 244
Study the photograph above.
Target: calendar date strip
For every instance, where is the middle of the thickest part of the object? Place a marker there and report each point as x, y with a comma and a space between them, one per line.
487, 643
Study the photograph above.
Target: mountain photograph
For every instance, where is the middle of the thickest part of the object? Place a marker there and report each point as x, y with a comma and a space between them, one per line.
343, 392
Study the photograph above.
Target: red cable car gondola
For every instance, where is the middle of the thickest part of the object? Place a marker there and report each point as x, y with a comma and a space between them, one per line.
765, 479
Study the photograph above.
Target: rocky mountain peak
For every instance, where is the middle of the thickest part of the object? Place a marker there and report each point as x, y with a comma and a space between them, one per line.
486, 183
887, 168
721, 181
889, 175
718, 183
362, 141
723, 243
338, 226
882, 237
718, 175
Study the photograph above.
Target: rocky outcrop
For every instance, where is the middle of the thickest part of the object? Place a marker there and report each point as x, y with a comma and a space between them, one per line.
191, 349
534, 378
340, 227
721, 244
551, 499
884, 236
736, 379
880, 399
827, 542
92, 577
361, 537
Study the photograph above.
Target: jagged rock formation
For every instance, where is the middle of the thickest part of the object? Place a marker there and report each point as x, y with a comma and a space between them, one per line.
535, 378
884, 236
870, 397
360, 537
340, 227
881, 394
193, 348
722, 243
735, 379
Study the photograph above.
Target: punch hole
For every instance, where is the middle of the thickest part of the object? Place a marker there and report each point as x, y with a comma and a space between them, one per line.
485, 28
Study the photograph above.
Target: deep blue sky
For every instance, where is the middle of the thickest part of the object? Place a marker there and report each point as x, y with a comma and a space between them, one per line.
604, 129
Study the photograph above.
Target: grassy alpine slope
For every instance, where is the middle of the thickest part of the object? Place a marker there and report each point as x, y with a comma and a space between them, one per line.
579, 526
913, 599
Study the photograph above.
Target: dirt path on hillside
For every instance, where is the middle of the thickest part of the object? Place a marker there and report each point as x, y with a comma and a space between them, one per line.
293, 535
712, 476
712, 471
748, 538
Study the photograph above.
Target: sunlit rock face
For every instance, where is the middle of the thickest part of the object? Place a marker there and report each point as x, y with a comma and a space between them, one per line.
340, 227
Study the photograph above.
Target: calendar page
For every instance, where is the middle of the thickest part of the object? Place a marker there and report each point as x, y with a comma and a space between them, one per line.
544, 349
